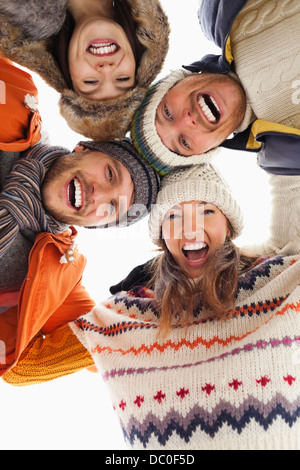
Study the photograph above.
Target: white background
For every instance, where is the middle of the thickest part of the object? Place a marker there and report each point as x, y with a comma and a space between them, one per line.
75, 412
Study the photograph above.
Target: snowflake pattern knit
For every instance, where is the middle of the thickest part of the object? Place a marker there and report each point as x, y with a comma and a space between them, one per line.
232, 384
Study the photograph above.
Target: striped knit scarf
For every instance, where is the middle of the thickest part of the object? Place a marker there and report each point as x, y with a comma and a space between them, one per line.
21, 202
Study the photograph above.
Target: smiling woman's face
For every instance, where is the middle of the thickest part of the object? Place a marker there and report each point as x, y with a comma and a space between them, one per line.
101, 60
192, 230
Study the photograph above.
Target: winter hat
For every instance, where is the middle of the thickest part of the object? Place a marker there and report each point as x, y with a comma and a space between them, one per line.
198, 183
145, 179
249, 115
144, 134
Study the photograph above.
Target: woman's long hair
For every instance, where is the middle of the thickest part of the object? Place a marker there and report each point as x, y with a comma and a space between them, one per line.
177, 295
122, 16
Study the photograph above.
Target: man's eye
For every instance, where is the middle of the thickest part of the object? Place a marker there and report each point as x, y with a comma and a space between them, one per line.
123, 79
184, 143
110, 174
167, 113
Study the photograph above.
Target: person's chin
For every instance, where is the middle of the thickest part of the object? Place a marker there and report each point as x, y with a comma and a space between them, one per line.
61, 217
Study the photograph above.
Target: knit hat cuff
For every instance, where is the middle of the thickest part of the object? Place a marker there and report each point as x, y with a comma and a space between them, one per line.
146, 181
249, 116
192, 188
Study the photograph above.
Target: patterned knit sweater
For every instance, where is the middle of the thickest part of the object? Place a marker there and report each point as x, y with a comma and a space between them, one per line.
231, 384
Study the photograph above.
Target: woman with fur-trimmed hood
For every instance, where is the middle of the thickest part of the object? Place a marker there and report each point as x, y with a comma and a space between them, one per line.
100, 55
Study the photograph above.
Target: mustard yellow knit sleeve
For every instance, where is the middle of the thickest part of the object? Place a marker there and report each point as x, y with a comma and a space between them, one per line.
49, 357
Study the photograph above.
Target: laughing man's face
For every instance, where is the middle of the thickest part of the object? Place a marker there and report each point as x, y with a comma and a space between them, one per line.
87, 188
199, 113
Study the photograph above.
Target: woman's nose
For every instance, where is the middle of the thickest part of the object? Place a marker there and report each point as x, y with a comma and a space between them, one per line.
193, 224
105, 67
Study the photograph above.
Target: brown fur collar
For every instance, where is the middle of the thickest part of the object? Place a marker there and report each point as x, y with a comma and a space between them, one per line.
103, 121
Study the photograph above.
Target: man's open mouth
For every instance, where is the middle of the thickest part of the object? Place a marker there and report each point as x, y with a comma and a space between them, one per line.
102, 49
75, 194
195, 252
210, 108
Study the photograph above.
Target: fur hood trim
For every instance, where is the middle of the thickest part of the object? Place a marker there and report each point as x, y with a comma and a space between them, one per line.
27, 40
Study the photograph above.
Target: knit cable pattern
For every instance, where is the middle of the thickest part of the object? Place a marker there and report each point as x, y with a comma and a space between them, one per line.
47, 358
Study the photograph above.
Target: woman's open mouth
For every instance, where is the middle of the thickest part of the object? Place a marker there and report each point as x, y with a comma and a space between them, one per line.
103, 48
75, 194
209, 108
195, 253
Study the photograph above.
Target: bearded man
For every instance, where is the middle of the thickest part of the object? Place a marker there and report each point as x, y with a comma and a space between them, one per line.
44, 191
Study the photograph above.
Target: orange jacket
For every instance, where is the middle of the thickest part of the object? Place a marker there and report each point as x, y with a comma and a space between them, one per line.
51, 296
20, 120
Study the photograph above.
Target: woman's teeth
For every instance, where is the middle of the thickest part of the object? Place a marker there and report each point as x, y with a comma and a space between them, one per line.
194, 246
195, 251
210, 108
109, 48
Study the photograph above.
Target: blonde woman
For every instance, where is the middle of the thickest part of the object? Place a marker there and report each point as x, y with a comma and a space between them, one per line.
206, 354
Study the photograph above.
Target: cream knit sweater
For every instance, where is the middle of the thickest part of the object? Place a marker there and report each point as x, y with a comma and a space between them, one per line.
214, 385
231, 384
265, 41
285, 218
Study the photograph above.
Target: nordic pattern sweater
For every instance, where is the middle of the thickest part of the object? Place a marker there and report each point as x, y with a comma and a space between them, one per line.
232, 384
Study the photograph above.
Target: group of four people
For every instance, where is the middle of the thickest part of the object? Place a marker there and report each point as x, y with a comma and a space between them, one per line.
199, 346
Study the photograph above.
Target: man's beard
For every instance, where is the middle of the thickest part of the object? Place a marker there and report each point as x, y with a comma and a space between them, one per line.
60, 167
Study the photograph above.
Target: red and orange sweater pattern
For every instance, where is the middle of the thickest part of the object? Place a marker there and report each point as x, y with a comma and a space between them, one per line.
232, 384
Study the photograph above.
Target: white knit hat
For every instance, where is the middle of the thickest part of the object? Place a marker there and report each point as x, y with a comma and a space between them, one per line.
144, 134
198, 183
249, 115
